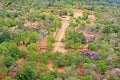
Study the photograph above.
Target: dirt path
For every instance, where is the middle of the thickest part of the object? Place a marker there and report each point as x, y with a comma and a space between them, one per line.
42, 44
58, 45
92, 18
20, 62
50, 65
61, 69
77, 13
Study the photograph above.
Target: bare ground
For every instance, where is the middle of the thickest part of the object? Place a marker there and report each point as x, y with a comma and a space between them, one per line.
77, 13
42, 44
29, 24
50, 65
20, 61
61, 69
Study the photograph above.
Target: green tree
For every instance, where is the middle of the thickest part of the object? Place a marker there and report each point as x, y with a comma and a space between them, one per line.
92, 46
46, 76
101, 64
60, 61
44, 57
71, 13
33, 47
5, 36
87, 77
106, 30
25, 74
73, 23
77, 45
9, 48
9, 61
51, 38
49, 46
33, 36
67, 44
63, 12
14, 52
8, 78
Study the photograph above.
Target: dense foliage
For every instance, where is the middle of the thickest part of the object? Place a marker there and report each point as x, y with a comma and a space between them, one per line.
25, 23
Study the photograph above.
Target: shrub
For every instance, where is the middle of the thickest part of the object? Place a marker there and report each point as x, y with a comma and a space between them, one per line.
106, 30
60, 61
49, 47
67, 45
32, 47
85, 17
71, 13
9, 61
51, 38
14, 52
92, 46
5, 36
63, 12
25, 74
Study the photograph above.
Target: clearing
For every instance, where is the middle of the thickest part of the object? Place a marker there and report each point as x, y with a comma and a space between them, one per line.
59, 45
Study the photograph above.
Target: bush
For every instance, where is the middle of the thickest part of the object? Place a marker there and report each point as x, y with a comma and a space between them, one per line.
46, 76
85, 17
32, 47
22, 54
9, 61
60, 61
14, 52
25, 74
101, 64
53, 11
8, 78
89, 8
73, 23
8, 22
92, 46
63, 12
71, 13
51, 38
45, 57
87, 77
5, 36
106, 30
77, 37
67, 45
49, 47
77, 45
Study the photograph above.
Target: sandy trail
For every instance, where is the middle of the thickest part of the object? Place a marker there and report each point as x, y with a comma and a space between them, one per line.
58, 45
92, 18
50, 65
42, 44
20, 61
77, 13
